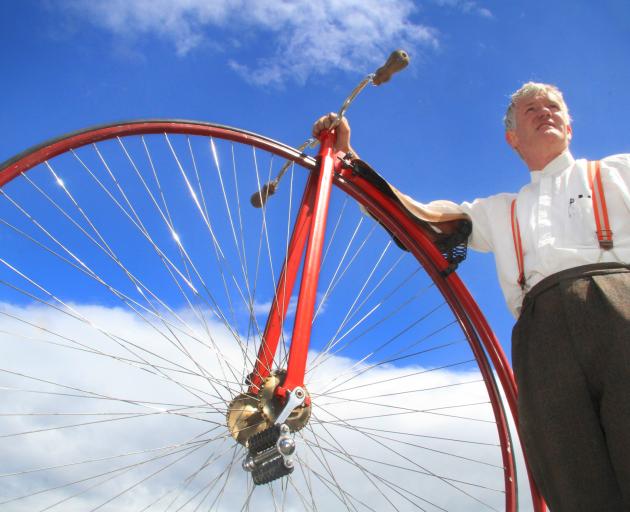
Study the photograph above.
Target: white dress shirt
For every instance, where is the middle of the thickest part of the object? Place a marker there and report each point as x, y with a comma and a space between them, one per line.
557, 224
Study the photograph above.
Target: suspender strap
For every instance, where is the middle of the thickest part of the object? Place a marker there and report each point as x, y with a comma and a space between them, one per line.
518, 246
604, 233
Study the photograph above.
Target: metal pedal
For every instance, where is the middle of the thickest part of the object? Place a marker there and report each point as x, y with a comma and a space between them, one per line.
270, 454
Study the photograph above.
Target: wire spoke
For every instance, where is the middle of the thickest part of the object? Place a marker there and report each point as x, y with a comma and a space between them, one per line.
135, 285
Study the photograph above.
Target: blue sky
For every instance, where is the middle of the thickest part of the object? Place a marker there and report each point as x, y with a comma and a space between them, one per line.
273, 67
435, 131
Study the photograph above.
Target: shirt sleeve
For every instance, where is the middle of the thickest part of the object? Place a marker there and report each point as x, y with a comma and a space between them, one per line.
488, 215
620, 165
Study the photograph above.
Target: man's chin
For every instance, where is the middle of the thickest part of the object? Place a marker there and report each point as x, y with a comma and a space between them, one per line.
552, 135
548, 129
551, 142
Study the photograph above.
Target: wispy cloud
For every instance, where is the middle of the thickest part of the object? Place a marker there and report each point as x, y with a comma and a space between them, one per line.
262, 308
180, 22
466, 6
309, 38
136, 407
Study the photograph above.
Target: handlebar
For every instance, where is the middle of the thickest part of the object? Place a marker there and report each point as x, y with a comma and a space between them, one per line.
397, 61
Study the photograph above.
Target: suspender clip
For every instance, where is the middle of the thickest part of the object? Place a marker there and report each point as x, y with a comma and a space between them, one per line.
605, 238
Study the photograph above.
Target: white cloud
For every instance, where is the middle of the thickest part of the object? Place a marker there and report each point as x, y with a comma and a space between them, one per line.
178, 21
466, 6
155, 376
308, 37
263, 308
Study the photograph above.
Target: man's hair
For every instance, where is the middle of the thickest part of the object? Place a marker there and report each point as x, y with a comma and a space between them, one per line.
526, 90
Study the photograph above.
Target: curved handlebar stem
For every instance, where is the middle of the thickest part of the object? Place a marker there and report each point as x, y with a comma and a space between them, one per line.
367, 80
259, 198
397, 61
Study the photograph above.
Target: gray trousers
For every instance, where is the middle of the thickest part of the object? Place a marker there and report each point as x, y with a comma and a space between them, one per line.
571, 358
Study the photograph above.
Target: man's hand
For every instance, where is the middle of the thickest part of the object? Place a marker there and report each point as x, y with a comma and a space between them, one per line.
342, 129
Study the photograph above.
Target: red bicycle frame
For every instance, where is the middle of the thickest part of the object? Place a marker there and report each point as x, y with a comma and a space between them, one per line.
311, 223
309, 230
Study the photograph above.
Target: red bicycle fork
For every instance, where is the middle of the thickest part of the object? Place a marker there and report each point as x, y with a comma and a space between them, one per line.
309, 231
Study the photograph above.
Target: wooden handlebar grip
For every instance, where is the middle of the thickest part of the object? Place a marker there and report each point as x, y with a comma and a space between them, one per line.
396, 61
259, 198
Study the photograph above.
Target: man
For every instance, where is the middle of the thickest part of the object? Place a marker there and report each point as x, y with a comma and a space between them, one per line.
566, 278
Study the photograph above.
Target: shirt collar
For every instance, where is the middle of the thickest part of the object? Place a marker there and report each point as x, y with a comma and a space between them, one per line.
558, 164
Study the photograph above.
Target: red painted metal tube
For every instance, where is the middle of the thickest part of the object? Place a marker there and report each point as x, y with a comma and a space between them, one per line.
35, 155
501, 365
310, 274
284, 289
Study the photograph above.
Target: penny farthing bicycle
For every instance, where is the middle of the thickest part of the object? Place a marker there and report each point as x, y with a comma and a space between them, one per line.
158, 352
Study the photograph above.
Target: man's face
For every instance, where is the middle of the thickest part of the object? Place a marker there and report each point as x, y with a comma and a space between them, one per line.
542, 128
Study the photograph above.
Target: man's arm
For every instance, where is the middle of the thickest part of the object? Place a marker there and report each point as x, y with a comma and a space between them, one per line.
445, 222
435, 211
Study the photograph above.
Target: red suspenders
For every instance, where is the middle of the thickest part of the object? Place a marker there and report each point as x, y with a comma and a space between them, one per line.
518, 246
604, 233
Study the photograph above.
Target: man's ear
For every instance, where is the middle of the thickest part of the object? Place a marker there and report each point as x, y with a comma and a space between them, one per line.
511, 139
569, 132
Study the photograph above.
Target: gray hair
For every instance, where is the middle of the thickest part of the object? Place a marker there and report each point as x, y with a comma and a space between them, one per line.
526, 90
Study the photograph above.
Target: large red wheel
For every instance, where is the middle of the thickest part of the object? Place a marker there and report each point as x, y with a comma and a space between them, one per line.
135, 282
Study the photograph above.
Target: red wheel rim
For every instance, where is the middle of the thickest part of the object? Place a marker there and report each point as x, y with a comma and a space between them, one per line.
480, 336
